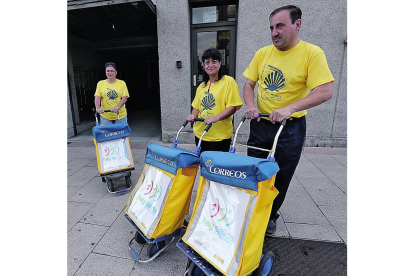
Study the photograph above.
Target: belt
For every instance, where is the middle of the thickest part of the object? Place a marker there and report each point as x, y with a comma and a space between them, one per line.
293, 118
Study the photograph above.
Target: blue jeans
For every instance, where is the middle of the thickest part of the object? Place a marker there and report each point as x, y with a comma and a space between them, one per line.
288, 151
105, 122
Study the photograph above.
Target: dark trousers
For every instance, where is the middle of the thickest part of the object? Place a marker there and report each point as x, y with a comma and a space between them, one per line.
223, 145
288, 151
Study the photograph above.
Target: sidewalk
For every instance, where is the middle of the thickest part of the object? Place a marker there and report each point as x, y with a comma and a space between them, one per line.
98, 234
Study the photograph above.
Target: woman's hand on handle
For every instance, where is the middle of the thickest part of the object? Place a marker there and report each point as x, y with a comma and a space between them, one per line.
210, 120
115, 109
191, 118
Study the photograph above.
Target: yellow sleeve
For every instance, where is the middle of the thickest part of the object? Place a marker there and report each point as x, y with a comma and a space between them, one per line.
252, 70
196, 102
124, 91
98, 90
318, 71
233, 97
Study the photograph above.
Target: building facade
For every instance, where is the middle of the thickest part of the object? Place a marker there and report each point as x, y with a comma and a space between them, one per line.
159, 43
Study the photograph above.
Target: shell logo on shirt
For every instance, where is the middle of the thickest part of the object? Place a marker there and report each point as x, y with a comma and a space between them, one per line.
273, 82
208, 102
112, 96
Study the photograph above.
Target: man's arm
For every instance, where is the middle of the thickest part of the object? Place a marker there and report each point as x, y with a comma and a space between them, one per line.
318, 95
248, 95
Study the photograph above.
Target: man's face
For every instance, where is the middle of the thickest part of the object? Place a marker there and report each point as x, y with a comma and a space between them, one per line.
284, 34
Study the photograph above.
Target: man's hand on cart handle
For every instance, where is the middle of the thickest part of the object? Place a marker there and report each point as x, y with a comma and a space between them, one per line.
279, 114
99, 110
252, 113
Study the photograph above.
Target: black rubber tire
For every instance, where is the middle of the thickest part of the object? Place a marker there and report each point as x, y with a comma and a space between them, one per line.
154, 248
128, 181
194, 270
110, 184
139, 239
267, 256
103, 179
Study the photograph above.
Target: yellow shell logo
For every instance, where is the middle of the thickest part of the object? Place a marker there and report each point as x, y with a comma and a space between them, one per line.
208, 163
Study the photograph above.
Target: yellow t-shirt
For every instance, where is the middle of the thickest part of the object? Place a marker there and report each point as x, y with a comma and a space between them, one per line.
285, 77
210, 102
111, 95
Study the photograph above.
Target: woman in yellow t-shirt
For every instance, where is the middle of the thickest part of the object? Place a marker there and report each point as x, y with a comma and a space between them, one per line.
111, 94
217, 99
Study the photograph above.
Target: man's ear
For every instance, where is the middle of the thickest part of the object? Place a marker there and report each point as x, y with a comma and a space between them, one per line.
298, 24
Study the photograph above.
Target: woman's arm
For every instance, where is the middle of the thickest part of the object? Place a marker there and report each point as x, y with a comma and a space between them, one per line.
221, 116
121, 103
98, 104
193, 114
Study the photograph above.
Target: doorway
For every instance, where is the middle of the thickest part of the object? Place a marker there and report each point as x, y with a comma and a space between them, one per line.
125, 33
212, 26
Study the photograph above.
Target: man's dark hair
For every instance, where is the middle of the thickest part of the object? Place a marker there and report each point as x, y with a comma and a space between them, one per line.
214, 54
295, 12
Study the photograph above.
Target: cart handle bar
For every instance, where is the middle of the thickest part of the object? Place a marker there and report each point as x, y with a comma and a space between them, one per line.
201, 138
272, 151
96, 116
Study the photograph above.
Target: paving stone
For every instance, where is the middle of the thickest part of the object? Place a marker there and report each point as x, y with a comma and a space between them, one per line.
322, 189
299, 207
116, 240
91, 192
313, 232
81, 153
97, 265
76, 210
74, 152
107, 209
281, 230
139, 139
81, 240
305, 167
83, 176
341, 159
333, 169
337, 217
71, 190
93, 163
327, 195
75, 165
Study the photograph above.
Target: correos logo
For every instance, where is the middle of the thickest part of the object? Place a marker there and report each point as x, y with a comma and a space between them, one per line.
220, 171
163, 160
110, 134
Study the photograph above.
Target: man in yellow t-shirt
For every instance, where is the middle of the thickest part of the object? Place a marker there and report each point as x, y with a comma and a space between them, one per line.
111, 94
284, 72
